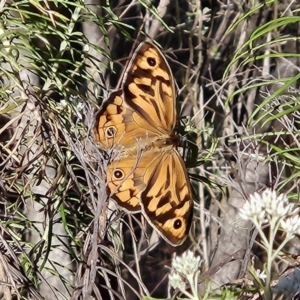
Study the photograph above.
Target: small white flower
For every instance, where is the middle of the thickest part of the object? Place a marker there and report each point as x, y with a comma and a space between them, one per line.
86, 48
177, 281
80, 105
63, 103
276, 206
78, 110
291, 225
261, 274
187, 263
267, 206
253, 209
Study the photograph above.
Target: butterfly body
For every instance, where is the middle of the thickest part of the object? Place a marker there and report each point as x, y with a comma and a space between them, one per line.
149, 175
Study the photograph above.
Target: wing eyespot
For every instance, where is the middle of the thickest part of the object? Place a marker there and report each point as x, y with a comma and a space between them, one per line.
177, 224
151, 61
118, 174
110, 132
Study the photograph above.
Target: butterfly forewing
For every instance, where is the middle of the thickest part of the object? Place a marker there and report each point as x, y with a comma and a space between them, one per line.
149, 87
117, 124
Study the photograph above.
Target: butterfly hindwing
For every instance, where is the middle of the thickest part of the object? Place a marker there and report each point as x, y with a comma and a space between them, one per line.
147, 182
167, 199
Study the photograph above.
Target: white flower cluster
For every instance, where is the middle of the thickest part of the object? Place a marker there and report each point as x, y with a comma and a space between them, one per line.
186, 269
269, 207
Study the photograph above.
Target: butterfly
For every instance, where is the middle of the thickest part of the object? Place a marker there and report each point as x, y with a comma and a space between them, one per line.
138, 120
